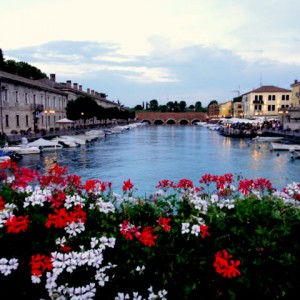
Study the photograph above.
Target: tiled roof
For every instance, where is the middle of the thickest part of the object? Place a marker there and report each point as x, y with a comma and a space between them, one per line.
4, 76
269, 89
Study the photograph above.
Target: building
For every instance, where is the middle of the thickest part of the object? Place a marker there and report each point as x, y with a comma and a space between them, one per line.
225, 109
28, 105
266, 101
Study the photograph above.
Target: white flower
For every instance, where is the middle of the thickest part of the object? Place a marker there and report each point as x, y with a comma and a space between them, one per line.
185, 228
195, 230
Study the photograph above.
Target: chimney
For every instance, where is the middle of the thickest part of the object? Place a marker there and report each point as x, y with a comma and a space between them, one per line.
80, 88
75, 86
52, 77
295, 81
69, 82
88, 91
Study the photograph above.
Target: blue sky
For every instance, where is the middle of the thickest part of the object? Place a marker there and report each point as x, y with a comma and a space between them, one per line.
168, 50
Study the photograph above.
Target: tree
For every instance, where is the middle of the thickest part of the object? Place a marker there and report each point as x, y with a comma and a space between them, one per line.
182, 105
213, 102
82, 108
198, 106
2, 61
138, 107
153, 105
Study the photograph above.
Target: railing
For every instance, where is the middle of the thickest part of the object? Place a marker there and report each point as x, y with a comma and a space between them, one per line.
258, 102
38, 107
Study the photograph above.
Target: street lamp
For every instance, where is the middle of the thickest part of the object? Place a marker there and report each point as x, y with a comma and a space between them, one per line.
283, 112
48, 112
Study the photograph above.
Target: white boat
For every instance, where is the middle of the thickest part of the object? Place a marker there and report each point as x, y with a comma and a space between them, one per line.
267, 138
4, 158
286, 147
65, 142
45, 145
23, 149
76, 140
295, 153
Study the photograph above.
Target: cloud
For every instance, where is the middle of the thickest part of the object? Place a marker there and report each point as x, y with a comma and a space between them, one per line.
191, 73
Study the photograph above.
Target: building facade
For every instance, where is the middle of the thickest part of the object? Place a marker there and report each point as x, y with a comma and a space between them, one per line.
266, 101
28, 105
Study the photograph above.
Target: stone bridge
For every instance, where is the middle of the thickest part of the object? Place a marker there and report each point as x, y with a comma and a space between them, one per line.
171, 118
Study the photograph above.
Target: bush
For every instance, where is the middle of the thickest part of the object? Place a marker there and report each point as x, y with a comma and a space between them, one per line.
64, 239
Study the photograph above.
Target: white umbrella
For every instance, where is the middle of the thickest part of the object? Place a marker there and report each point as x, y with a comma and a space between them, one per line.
64, 121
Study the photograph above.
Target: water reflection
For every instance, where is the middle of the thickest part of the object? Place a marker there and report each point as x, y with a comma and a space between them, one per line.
149, 154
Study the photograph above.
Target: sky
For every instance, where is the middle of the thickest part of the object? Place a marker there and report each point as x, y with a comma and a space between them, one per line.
169, 50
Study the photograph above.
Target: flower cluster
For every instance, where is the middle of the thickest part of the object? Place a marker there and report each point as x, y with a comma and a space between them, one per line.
77, 240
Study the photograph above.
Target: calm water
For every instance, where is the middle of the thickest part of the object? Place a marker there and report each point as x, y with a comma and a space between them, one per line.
148, 154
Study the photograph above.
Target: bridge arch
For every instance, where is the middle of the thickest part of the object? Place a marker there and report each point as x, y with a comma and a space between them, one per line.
158, 122
183, 122
171, 122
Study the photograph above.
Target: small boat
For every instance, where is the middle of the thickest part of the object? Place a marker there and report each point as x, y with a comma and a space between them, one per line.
4, 158
23, 150
284, 147
294, 153
45, 145
71, 138
65, 142
11, 154
260, 138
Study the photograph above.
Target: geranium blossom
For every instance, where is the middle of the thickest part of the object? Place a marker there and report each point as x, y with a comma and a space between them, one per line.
78, 241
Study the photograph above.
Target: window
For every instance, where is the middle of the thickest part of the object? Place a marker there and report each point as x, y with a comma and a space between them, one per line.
4, 96
26, 98
285, 97
16, 96
54, 100
6, 121
27, 120
34, 99
271, 107
17, 120
271, 97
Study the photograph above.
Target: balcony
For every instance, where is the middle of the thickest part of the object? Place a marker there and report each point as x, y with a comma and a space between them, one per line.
258, 101
37, 107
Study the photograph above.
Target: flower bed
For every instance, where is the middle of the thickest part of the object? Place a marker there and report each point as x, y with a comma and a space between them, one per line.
66, 239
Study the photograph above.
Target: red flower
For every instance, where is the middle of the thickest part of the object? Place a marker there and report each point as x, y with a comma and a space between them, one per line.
127, 185
57, 198
39, 264
129, 231
203, 230
164, 223
90, 185
59, 219
147, 238
225, 266
16, 224
185, 183
2, 203
165, 184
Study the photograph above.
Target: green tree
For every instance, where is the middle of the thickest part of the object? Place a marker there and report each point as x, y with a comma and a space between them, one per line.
153, 105
198, 106
138, 107
2, 61
182, 105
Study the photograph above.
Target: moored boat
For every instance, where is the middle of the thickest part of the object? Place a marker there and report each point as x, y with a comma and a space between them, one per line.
45, 145
284, 147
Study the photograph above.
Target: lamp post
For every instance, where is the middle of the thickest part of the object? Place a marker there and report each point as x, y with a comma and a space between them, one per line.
283, 112
48, 112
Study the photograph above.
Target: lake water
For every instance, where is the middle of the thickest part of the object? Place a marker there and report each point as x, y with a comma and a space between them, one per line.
148, 154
